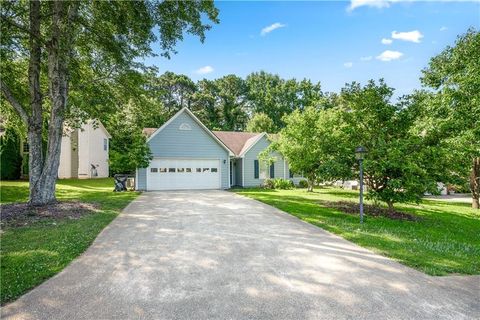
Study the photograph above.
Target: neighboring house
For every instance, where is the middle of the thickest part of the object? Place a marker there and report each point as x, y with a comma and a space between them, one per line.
187, 155
84, 152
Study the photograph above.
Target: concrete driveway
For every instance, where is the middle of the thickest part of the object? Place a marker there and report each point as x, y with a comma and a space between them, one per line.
217, 255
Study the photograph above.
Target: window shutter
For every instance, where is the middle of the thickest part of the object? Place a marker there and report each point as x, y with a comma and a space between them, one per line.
272, 171
256, 170
290, 173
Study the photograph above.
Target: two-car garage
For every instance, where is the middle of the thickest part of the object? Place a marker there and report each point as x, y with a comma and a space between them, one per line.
178, 174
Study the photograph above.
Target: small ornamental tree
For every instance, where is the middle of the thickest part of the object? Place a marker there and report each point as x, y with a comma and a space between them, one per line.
315, 144
399, 165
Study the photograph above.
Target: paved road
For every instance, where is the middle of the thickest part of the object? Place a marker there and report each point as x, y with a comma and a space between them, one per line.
216, 255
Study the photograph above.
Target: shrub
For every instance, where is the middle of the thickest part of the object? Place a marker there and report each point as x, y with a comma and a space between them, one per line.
283, 184
10, 159
268, 184
303, 184
278, 183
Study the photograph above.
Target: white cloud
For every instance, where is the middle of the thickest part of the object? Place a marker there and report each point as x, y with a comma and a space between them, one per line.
443, 28
204, 70
412, 36
368, 3
368, 58
387, 41
389, 55
271, 27
348, 64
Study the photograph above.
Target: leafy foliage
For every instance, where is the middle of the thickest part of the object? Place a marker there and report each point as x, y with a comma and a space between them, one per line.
82, 56
276, 97
451, 113
399, 165
260, 122
315, 144
10, 160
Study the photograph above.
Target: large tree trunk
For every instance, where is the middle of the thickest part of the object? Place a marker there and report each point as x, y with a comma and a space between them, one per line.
35, 121
42, 190
475, 182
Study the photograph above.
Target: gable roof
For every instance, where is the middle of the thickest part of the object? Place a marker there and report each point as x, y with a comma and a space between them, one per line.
236, 141
153, 132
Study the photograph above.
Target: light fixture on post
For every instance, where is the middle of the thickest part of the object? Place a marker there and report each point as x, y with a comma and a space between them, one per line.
360, 155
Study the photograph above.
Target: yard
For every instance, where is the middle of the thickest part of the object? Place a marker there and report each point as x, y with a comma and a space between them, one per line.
38, 250
444, 239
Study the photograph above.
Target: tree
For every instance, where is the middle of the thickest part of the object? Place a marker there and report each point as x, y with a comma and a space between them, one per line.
260, 122
205, 104
315, 144
269, 94
175, 91
400, 166
231, 92
452, 112
59, 45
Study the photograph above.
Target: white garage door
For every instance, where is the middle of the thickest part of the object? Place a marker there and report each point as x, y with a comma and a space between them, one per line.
176, 174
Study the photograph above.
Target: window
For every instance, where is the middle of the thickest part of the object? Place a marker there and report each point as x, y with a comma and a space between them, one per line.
272, 171
180, 169
206, 169
290, 174
256, 169
163, 170
26, 147
153, 170
199, 169
214, 170
188, 169
171, 169
105, 144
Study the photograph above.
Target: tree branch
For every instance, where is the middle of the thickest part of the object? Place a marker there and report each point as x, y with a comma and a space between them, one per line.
21, 27
15, 104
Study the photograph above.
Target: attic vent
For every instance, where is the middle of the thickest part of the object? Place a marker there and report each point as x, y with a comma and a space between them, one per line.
185, 126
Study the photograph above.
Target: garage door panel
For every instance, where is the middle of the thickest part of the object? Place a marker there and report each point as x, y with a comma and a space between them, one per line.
177, 174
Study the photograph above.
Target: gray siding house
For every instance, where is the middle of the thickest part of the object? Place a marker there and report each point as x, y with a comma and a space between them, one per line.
187, 155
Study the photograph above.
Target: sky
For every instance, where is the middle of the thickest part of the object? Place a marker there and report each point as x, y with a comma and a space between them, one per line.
333, 42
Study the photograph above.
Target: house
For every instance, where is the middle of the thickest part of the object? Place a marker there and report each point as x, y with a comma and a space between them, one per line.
187, 155
84, 152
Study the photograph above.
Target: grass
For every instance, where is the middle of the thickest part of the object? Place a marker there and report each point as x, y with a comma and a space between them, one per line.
31, 254
445, 240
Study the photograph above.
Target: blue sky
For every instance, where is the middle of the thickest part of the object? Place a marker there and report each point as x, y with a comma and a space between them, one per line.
333, 42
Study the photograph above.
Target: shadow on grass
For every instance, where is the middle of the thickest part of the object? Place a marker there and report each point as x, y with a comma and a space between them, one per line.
442, 242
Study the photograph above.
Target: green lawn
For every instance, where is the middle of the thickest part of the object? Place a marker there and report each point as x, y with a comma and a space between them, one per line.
33, 253
445, 240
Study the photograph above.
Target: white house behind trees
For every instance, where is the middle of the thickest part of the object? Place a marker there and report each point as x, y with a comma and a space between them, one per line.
84, 152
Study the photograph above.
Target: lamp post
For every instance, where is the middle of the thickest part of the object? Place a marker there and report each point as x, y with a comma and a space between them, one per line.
360, 154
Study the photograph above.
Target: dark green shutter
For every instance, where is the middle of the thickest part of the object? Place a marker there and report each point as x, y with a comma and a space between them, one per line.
290, 173
255, 169
272, 171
